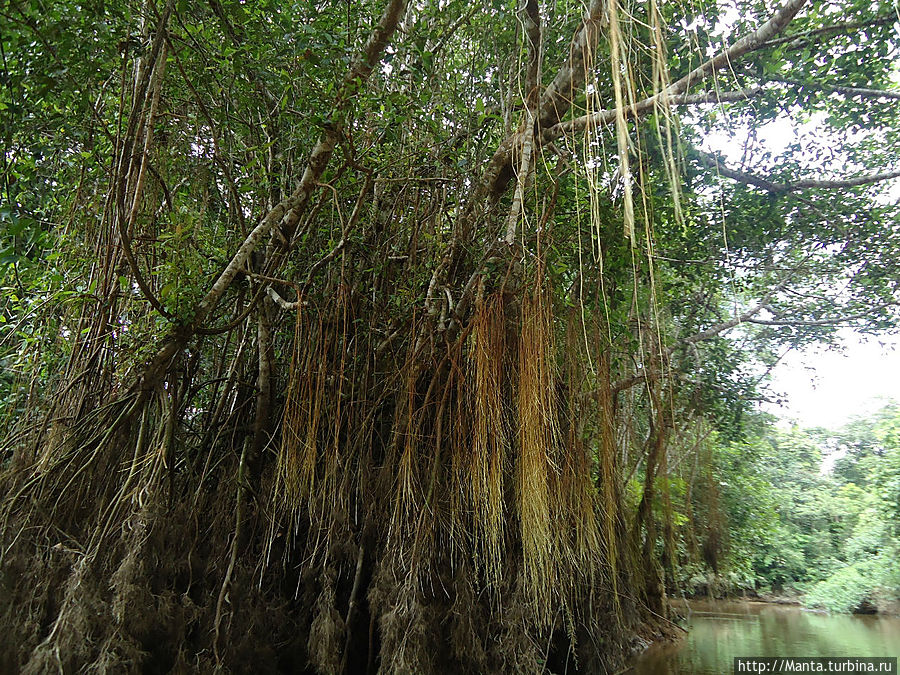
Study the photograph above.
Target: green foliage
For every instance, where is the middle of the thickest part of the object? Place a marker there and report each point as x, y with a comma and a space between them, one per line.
870, 580
844, 590
832, 534
117, 216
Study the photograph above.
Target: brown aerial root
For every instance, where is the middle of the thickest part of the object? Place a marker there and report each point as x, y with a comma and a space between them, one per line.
490, 435
538, 436
408, 498
608, 476
576, 496
302, 413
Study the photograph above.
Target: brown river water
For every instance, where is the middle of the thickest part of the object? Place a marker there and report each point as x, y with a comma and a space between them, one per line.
721, 630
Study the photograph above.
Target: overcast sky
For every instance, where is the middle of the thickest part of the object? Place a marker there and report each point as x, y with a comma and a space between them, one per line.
820, 387
827, 388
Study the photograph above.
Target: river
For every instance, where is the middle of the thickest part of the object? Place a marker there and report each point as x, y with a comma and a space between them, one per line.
721, 630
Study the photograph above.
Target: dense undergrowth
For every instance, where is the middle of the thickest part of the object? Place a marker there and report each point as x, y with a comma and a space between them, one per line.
811, 514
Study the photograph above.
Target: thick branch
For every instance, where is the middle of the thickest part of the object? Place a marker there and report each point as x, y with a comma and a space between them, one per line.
840, 89
718, 328
804, 37
748, 43
604, 117
558, 96
281, 302
831, 321
671, 94
805, 184
554, 103
288, 212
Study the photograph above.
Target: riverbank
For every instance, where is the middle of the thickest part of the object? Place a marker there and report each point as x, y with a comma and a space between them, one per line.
879, 605
720, 630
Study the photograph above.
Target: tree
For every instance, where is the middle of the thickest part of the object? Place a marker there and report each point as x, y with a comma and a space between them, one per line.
792, 524
337, 329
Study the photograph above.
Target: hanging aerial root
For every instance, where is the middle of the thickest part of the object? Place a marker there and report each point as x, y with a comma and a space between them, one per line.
575, 494
608, 475
407, 445
54, 487
332, 496
538, 439
617, 50
296, 469
312, 485
442, 518
490, 436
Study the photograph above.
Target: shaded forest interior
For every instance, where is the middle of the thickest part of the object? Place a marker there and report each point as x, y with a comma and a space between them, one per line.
424, 337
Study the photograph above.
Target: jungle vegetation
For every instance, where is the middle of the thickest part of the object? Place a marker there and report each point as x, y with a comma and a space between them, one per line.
417, 336
808, 513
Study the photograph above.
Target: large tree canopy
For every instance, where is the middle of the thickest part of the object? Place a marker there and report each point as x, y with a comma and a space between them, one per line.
368, 335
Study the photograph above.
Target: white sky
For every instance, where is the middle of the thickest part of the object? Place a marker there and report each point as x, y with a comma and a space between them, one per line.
826, 388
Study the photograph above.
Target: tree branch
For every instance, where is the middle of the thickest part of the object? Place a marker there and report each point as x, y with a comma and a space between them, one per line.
557, 97
718, 328
287, 213
554, 102
707, 334
604, 117
783, 188
833, 321
803, 38
748, 43
840, 89
777, 23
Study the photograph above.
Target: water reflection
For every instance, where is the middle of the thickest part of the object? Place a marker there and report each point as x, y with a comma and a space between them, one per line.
720, 631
